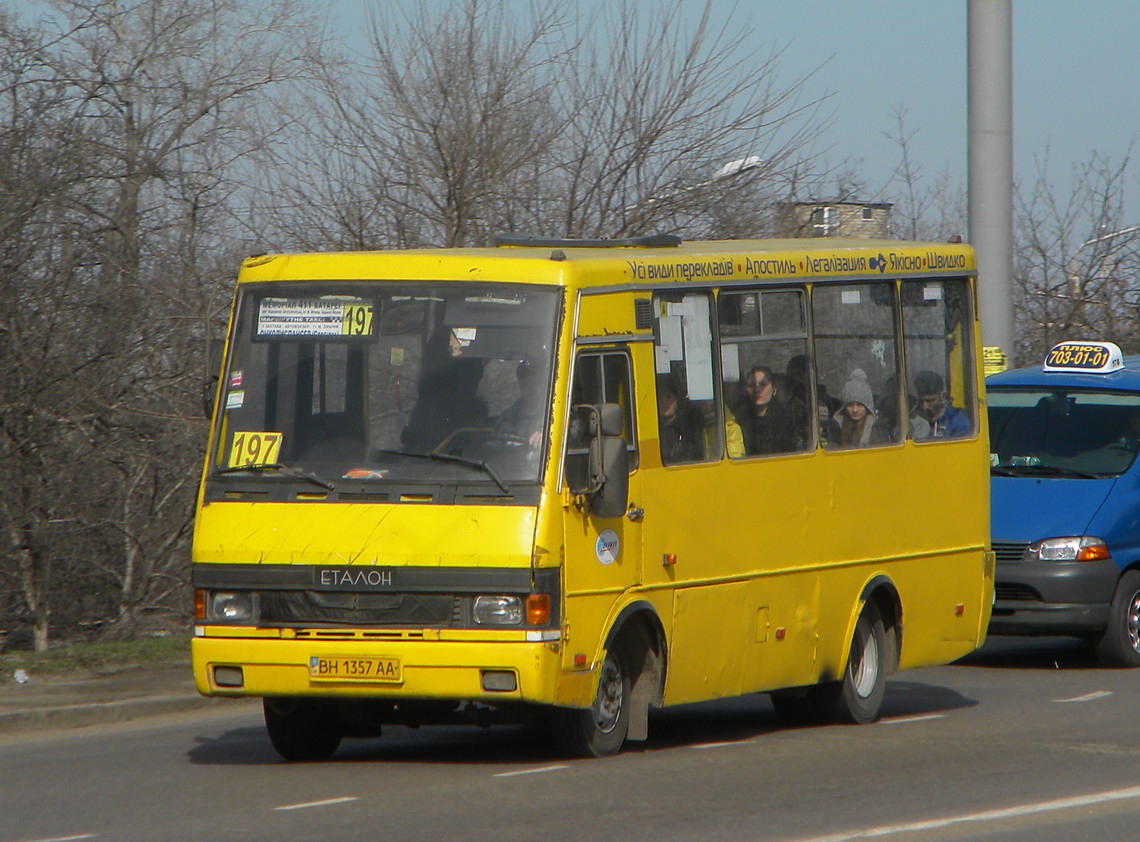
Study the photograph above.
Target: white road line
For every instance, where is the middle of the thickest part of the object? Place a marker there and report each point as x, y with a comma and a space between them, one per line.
530, 771
327, 802
903, 720
1087, 697
986, 816
725, 744
66, 838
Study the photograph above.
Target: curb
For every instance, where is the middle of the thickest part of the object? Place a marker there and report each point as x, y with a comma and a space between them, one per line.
99, 713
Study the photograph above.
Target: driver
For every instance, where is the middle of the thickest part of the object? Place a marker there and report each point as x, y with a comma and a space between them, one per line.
522, 420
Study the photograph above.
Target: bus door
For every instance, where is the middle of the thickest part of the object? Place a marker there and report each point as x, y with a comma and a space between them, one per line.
603, 555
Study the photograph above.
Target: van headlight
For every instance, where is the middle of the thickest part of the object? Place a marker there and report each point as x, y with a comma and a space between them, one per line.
498, 610
1075, 548
231, 606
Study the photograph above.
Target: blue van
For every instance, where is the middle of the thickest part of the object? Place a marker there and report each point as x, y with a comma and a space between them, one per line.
1065, 498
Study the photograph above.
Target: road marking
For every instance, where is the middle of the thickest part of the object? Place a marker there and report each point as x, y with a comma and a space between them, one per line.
1088, 697
327, 802
903, 720
530, 771
724, 744
986, 816
66, 838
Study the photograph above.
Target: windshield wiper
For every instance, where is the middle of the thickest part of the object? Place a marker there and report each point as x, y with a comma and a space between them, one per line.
1048, 470
447, 457
277, 467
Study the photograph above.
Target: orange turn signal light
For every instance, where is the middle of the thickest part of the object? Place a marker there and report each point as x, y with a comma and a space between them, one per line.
1095, 552
199, 604
538, 609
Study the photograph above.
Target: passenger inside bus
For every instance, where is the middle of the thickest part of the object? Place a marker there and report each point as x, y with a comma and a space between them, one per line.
934, 416
857, 424
769, 424
681, 425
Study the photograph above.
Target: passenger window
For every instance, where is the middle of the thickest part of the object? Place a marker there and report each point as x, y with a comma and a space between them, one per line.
856, 353
937, 319
598, 378
765, 371
689, 415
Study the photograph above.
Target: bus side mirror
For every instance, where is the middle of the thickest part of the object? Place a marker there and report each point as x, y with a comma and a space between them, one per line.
609, 463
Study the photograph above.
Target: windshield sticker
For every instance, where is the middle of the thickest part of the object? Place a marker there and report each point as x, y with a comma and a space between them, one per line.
331, 317
234, 400
250, 448
235, 379
607, 547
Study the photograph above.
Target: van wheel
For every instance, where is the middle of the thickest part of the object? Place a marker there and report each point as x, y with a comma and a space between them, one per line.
599, 730
300, 729
858, 697
1120, 644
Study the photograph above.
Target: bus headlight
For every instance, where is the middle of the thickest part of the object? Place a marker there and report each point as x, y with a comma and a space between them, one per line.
498, 610
1076, 548
233, 607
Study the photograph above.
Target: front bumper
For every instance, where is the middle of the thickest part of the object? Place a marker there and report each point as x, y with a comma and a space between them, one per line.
440, 669
1051, 597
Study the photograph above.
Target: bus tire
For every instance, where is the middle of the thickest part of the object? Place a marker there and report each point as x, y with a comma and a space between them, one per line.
858, 697
599, 730
300, 729
1119, 646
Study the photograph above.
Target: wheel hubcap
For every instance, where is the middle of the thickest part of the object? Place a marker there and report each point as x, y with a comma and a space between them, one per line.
864, 662
1133, 620
607, 709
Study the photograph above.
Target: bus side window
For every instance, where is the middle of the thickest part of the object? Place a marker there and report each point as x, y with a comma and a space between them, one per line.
765, 371
856, 354
938, 348
688, 405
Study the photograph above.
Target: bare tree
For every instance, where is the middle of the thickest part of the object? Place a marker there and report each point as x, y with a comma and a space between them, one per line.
472, 120
153, 107
1077, 262
923, 209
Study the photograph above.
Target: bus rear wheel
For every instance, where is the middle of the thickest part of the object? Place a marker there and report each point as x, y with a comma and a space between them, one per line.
599, 730
858, 697
1120, 644
300, 729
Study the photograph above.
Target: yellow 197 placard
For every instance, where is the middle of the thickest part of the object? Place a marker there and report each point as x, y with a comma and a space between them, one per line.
250, 448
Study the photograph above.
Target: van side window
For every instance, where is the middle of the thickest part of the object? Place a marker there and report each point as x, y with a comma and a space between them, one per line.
856, 354
938, 347
689, 412
599, 377
766, 370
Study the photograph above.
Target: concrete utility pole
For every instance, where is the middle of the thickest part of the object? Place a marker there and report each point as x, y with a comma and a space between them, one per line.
990, 206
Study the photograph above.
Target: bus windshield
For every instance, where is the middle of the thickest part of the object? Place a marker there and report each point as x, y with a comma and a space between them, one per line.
1083, 434
374, 381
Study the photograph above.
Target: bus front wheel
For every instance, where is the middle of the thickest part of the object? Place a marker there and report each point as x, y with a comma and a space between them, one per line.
599, 730
858, 696
1120, 644
300, 729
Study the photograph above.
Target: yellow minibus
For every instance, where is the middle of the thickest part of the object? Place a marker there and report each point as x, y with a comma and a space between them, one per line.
586, 478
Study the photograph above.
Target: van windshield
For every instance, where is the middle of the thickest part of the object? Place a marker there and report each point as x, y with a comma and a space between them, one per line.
373, 381
1078, 433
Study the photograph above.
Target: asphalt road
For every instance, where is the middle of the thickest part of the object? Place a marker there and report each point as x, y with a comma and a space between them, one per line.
1023, 740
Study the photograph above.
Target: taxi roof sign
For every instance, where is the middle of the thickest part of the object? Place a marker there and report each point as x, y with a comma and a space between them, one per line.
1087, 357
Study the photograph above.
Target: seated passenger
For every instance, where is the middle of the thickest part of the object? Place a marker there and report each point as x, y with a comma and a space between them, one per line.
769, 425
934, 411
733, 436
856, 424
681, 425
447, 400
